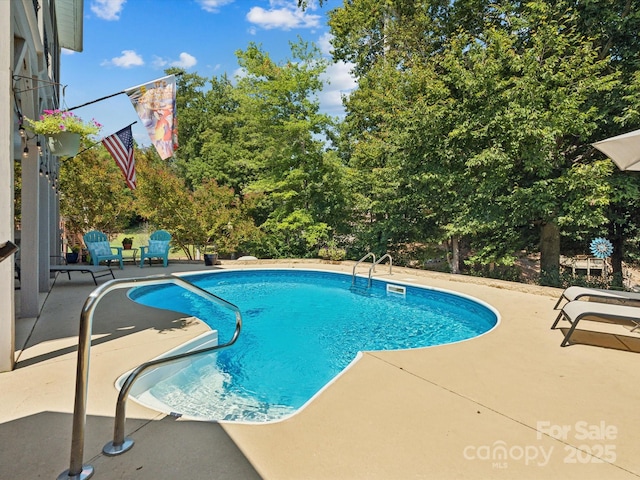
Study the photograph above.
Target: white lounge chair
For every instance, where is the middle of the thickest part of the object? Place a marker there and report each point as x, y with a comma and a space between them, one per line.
575, 311
611, 296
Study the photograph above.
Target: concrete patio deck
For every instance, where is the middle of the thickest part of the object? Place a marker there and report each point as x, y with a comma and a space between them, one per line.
510, 404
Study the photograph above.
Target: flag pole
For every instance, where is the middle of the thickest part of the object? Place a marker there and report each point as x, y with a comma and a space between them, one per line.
123, 91
100, 141
96, 100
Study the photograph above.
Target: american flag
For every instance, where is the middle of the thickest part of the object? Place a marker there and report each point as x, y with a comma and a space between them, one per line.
120, 146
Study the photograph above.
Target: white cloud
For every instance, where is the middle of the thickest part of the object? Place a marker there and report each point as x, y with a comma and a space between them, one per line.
340, 83
128, 59
108, 9
186, 61
282, 14
324, 42
159, 62
239, 73
311, 4
213, 6
340, 75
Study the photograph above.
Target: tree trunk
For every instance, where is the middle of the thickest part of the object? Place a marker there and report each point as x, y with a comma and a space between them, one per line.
454, 263
616, 260
549, 254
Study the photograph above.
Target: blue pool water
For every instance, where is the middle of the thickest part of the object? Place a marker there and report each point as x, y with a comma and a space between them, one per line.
300, 329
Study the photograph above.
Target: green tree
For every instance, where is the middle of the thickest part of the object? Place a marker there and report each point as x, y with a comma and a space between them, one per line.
211, 217
207, 128
221, 219
515, 91
93, 194
525, 108
265, 137
163, 199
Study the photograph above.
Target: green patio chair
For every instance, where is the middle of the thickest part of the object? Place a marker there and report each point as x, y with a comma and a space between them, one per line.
158, 248
98, 245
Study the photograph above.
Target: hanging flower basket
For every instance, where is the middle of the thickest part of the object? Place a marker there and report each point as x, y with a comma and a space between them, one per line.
64, 144
60, 127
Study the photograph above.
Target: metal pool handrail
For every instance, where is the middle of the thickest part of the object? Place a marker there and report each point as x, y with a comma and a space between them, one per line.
353, 274
373, 267
78, 471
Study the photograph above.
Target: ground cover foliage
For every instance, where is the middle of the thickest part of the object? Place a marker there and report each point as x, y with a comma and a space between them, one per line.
467, 142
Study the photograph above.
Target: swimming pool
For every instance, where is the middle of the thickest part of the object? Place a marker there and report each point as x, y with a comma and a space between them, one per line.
301, 328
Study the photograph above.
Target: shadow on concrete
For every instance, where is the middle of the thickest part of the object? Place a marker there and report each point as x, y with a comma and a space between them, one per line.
115, 316
38, 446
603, 339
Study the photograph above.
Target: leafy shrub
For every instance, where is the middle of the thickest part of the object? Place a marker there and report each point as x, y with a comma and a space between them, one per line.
510, 273
332, 252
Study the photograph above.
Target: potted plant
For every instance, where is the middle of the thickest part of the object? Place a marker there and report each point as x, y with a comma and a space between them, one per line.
127, 242
211, 258
63, 130
73, 256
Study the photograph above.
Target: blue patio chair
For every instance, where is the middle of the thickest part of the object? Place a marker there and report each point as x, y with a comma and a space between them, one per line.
158, 248
98, 245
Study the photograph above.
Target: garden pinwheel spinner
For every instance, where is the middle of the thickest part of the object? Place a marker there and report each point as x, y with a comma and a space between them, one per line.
601, 247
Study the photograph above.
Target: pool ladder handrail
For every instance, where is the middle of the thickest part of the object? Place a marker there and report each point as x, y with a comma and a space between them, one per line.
78, 471
353, 274
373, 267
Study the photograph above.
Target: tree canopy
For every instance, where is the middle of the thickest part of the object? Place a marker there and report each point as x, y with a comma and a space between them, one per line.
471, 127
487, 131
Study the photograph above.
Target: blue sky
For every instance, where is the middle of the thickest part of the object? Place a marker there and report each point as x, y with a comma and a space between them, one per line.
131, 42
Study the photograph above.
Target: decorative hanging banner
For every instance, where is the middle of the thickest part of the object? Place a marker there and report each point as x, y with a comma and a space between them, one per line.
155, 103
120, 146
